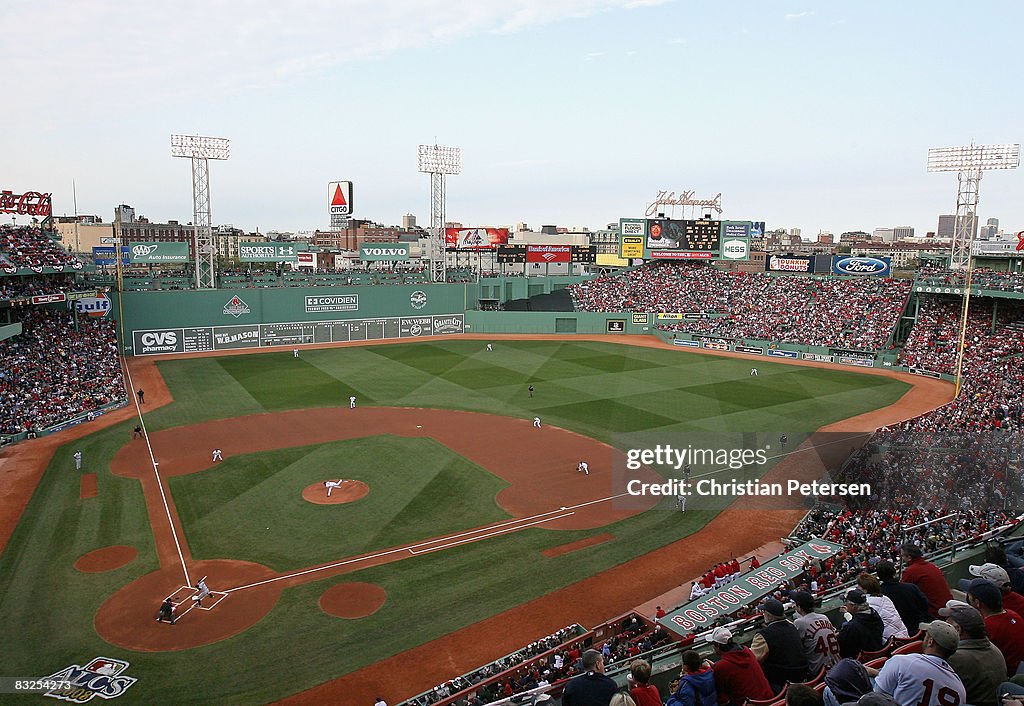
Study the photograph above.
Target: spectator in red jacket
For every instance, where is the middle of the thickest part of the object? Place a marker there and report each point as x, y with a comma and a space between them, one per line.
738, 674
927, 576
1004, 628
640, 687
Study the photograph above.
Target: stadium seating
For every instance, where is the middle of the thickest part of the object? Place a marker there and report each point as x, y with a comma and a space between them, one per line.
30, 246
857, 313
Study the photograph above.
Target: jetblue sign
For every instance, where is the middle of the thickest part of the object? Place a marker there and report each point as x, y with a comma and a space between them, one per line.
849, 265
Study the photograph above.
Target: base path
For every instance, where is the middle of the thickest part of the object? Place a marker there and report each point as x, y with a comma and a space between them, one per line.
734, 532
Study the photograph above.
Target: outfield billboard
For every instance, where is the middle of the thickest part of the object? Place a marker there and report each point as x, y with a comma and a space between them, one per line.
157, 253
270, 252
549, 253
789, 263
475, 238
384, 252
104, 255
852, 265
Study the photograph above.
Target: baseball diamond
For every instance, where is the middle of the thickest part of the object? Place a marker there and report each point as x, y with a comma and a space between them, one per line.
465, 499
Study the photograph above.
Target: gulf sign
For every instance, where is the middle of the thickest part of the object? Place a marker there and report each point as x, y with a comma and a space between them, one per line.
548, 253
852, 265
92, 306
475, 238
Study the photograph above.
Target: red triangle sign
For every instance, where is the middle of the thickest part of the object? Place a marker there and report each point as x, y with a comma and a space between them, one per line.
339, 197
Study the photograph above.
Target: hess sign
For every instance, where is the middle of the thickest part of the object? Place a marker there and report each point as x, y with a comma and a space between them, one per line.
339, 198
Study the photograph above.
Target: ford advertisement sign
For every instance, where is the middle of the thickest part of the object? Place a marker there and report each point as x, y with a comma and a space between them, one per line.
849, 265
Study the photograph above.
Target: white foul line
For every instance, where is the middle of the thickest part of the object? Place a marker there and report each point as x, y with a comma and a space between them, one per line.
156, 472
490, 534
486, 529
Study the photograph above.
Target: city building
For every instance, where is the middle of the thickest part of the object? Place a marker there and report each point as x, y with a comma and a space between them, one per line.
83, 233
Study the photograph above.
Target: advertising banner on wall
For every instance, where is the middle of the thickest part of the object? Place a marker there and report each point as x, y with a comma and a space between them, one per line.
384, 252
269, 252
788, 263
148, 253
736, 248
852, 265
475, 238
548, 253
104, 255
632, 247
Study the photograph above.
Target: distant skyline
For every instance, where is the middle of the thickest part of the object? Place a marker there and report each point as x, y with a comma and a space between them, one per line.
569, 112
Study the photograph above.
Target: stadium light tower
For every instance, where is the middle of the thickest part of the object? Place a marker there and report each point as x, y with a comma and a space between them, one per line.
438, 162
201, 150
969, 162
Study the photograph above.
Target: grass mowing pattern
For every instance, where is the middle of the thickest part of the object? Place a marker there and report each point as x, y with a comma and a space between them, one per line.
228, 509
46, 607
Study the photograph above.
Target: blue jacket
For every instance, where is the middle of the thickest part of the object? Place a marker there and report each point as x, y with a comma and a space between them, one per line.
696, 689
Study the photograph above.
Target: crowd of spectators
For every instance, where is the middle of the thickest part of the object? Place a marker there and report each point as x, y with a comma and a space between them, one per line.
853, 313
983, 278
53, 372
31, 246
16, 287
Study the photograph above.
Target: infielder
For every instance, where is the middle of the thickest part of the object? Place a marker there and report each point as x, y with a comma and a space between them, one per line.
583, 467
202, 591
536, 422
352, 402
681, 502
332, 484
78, 460
217, 455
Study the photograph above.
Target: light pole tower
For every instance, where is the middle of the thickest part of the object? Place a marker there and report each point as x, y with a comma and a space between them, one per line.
437, 162
201, 150
969, 162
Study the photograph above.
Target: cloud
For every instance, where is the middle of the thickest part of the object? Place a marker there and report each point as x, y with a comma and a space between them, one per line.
798, 15
594, 55
678, 40
104, 51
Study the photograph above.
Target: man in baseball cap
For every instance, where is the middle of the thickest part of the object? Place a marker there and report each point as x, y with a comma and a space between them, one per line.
738, 675
1004, 628
862, 631
977, 662
778, 648
921, 678
817, 634
1001, 578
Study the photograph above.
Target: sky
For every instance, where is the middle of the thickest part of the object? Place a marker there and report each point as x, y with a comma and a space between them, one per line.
816, 115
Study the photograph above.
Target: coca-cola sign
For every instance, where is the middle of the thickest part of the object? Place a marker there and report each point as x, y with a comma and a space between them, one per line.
31, 203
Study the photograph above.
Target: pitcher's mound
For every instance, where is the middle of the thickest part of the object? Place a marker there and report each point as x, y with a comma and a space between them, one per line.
106, 558
352, 600
349, 491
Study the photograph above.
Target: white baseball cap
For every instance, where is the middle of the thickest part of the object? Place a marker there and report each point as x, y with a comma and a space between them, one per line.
722, 636
992, 572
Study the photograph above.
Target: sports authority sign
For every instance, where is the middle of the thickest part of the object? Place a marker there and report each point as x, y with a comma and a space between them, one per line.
548, 253
269, 252
701, 614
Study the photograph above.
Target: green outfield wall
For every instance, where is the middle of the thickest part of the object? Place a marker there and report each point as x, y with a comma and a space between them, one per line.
222, 319
562, 322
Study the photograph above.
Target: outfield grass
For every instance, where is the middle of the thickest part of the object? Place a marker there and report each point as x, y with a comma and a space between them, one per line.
594, 388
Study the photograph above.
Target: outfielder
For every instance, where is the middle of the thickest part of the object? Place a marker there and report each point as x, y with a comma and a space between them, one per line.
753, 372
583, 467
78, 460
352, 402
217, 455
295, 352
332, 484
489, 348
536, 422
202, 591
